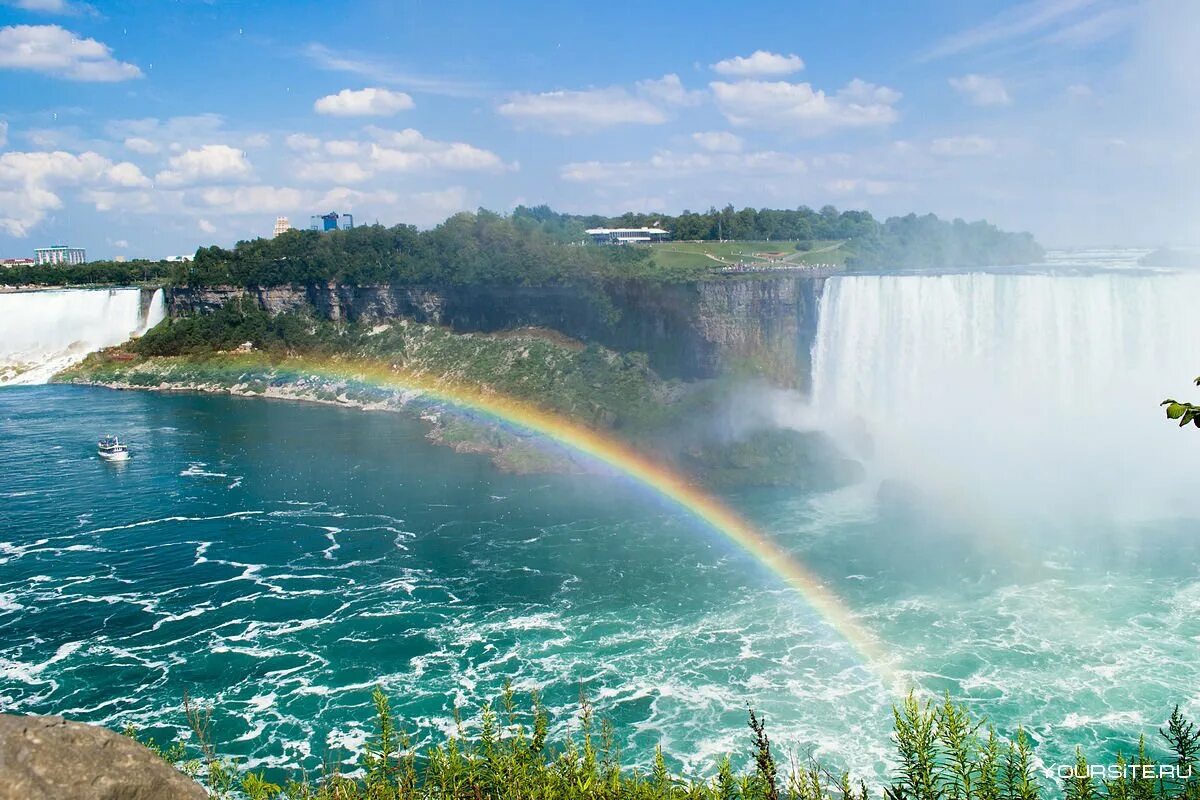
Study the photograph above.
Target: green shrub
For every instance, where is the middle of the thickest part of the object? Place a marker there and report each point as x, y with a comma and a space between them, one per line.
939, 755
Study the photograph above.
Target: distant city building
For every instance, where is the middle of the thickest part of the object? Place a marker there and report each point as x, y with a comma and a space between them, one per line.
282, 225
331, 222
180, 258
16, 262
119, 259
627, 235
60, 254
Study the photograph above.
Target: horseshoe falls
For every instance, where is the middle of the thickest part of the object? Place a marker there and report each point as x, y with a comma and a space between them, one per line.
1016, 392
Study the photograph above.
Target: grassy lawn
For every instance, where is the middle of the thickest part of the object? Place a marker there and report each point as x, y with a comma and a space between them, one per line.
768, 254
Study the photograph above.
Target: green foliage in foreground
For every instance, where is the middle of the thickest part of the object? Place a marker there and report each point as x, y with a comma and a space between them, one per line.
941, 753
1184, 412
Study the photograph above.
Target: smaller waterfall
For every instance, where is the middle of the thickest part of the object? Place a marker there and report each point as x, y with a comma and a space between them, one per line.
43, 332
156, 312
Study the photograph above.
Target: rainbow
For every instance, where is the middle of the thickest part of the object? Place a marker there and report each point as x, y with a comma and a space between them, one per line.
624, 459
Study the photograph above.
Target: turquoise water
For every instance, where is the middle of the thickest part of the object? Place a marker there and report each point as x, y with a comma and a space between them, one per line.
281, 559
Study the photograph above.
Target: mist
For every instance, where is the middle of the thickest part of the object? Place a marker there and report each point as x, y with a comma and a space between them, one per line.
1017, 395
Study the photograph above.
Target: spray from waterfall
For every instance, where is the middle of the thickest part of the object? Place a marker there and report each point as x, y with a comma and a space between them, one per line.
1016, 393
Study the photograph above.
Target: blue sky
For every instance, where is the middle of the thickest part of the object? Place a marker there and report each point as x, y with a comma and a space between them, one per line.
149, 128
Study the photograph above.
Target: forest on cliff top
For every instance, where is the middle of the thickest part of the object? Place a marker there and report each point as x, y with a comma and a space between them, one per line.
537, 246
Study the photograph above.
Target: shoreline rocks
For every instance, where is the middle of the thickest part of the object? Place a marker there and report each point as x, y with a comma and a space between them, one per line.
51, 758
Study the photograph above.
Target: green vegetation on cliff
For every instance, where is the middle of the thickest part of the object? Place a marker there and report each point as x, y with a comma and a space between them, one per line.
540, 247
240, 348
940, 753
105, 273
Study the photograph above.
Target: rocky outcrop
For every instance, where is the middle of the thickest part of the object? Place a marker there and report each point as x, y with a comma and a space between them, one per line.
50, 758
760, 325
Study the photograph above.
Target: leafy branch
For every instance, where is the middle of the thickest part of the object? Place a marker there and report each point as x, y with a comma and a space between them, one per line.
1184, 412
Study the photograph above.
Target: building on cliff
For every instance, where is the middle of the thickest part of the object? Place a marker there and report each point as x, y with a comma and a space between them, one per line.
60, 254
333, 221
627, 235
282, 225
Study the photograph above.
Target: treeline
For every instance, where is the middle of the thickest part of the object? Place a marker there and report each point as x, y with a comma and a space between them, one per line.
909, 242
468, 248
940, 753
93, 272
538, 246
748, 224
913, 242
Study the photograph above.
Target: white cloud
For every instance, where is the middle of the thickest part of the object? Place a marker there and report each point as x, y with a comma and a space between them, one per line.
301, 142
981, 90
257, 140
370, 102
206, 226
121, 243
343, 148
861, 186
1013, 23
963, 146
800, 108
669, 90
384, 71
210, 163
3, 133
29, 182
332, 172
718, 141
586, 110
253, 199
408, 150
52, 7
669, 165
581, 111
53, 50
759, 64
194, 128
127, 175
141, 145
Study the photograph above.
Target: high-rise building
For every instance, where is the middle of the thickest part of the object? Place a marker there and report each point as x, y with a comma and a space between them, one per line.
282, 225
60, 254
332, 221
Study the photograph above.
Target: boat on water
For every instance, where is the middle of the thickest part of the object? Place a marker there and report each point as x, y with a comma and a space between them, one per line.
110, 448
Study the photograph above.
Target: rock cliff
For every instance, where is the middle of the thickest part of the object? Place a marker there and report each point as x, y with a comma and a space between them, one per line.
761, 325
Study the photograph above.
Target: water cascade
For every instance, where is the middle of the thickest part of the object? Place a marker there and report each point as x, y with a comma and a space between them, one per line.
43, 332
1032, 391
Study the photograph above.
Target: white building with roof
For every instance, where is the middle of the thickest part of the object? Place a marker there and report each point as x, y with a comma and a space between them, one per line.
627, 235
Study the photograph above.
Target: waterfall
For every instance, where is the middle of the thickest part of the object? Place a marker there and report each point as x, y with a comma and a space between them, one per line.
43, 332
1033, 390
156, 311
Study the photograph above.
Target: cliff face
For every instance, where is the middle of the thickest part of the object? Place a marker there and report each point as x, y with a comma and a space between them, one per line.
755, 325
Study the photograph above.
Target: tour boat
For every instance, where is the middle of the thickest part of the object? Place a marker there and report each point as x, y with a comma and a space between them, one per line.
111, 449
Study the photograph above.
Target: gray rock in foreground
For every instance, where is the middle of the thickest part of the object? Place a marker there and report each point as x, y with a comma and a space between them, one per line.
50, 758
